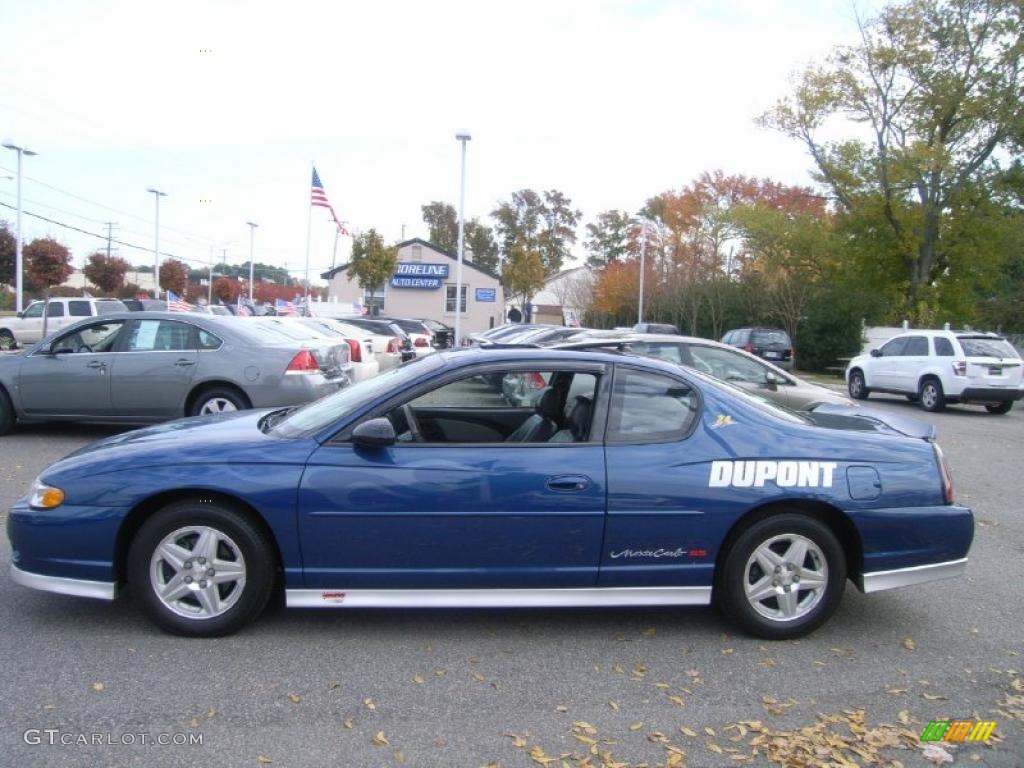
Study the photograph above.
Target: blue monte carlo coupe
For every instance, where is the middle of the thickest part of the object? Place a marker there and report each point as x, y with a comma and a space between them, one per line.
628, 481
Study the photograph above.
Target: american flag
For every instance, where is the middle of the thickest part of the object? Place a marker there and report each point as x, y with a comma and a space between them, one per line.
319, 198
86, 294
284, 307
177, 304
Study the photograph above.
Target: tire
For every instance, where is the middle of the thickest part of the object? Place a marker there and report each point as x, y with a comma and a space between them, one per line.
999, 408
931, 396
7, 416
768, 543
233, 546
7, 340
857, 388
218, 400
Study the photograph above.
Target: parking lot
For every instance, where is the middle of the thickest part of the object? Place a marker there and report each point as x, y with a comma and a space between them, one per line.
619, 687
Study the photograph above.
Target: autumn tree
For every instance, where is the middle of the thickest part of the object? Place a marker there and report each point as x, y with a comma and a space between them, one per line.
372, 263
523, 273
8, 254
608, 238
173, 276
226, 290
542, 223
936, 84
47, 263
105, 272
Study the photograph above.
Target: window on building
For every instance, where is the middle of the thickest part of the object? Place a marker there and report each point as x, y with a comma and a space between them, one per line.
449, 302
374, 298
417, 253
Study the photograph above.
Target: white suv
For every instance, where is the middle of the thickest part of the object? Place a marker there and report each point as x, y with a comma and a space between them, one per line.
27, 326
940, 367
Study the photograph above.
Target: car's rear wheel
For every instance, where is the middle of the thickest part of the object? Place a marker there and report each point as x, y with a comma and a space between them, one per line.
201, 569
782, 577
999, 408
7, 340
931, 396
6, 413
857, 387
218, 400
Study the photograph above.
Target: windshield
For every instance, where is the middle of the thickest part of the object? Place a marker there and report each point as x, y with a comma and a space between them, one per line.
321, 413
987, 348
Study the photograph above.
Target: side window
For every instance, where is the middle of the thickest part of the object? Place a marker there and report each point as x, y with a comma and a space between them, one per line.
917, 346
727, 365
98, 337
34, 310
207, 340
894, 347
943, 347
649, 407
160, 336
661, 350
55, 309
79, 309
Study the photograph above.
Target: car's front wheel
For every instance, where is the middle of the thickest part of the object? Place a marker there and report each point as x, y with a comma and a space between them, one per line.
932, 398
1000, 408
857, 387
782, 577
7, 340
201, 569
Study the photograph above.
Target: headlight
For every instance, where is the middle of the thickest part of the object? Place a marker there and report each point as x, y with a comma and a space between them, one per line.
42, 496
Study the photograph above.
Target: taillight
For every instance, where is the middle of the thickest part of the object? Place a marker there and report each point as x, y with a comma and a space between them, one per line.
303, 362
535, 381
945, 475
960, 367
355, 352
421, 341
392, 345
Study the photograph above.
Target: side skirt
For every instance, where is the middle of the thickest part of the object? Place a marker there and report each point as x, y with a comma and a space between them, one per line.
496, 598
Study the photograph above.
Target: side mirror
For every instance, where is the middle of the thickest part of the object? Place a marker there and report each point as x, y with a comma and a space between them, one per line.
375, 433
771, 381
876, 353
21, 315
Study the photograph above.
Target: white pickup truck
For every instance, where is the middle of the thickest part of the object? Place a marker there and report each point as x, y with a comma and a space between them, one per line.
27, 326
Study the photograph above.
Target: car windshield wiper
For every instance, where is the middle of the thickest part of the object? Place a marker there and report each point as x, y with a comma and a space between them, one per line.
267, 422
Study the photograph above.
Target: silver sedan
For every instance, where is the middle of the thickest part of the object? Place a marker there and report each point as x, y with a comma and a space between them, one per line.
139, 367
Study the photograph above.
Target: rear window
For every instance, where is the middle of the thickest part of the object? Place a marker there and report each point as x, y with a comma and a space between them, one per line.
988, 348
771, 337
106, 307
81, 308
943, 347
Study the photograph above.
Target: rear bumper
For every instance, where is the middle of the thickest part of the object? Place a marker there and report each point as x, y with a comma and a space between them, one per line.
877, 581
991, 394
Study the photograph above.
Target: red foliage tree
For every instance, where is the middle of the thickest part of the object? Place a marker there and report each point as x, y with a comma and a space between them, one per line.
173, 276
47, 263
106, 273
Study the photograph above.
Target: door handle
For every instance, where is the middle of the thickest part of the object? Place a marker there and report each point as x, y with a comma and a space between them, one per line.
95, 364
567, 483
183, 363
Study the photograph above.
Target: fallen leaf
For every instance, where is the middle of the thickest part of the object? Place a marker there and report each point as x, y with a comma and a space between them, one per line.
194, 722
657, 737
933, 697
614, 706
727, 651
561, 708
908, 643
210, 713
714, 748
332, 686
692, 673
294, 698
662, 686
895, 690
677, 700
98, 686
904, 717
688, 731
819, 663
936, 754
347, 722
370, 704
399, 757
49, 707
517, 741
650, 632
440, 743
440, 672
636, 726
417, 679
380, 740
263, 759
478, 677
768, 662
537, 755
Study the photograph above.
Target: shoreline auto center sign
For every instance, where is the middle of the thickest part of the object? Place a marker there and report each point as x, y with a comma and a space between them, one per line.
416, 275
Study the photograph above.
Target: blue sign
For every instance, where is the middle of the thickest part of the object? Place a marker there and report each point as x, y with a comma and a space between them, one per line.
415, 282
486, 294
416, 269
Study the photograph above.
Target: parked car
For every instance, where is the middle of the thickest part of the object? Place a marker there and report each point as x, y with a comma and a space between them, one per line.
772, 344
383, 329
661, 486
656, 328
499, 332
140, 367
444, 335
27, 326
145, 305
935, 368
370, 353
736, 367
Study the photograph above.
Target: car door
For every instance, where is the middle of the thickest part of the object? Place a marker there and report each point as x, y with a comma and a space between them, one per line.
469, 512
28, 328
72, 376
653, 535
883, 370
153, 372
908, 366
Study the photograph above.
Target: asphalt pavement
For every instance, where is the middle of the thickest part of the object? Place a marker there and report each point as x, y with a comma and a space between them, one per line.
619, 687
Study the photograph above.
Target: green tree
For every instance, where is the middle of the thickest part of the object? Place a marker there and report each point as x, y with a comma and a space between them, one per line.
542, 223
936, 84
442, 222
372, 262
480, 239
523, 273
8, 254
608, 238
47, 263
106, 273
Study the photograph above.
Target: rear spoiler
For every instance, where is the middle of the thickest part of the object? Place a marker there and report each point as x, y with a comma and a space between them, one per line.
905, 425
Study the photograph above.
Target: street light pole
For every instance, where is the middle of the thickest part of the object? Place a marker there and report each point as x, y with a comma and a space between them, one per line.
156, 242
643, 251
252, 240
462, 137
18, 261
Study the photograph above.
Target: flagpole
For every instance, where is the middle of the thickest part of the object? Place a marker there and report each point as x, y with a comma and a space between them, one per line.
309, 229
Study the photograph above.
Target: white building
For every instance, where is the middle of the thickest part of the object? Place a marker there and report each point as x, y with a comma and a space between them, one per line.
564, 297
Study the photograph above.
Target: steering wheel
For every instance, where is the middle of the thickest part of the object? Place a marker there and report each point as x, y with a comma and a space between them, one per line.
83, 348
413, 423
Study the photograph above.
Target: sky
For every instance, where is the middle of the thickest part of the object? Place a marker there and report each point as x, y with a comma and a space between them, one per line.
225, 106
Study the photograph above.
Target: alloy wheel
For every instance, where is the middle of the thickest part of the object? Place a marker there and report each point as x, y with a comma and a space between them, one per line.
197, 572
217, 405
785, 577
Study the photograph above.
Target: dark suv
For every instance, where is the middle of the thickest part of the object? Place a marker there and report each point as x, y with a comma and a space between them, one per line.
769, 343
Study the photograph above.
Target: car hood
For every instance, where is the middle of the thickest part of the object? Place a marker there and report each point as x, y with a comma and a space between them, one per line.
863, 419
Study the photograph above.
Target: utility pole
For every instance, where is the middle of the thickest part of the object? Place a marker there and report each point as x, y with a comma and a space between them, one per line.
403, 233
110, 235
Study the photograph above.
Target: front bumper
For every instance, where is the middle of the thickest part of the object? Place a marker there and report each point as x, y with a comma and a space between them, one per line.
991, 395
905, 577
101, 590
